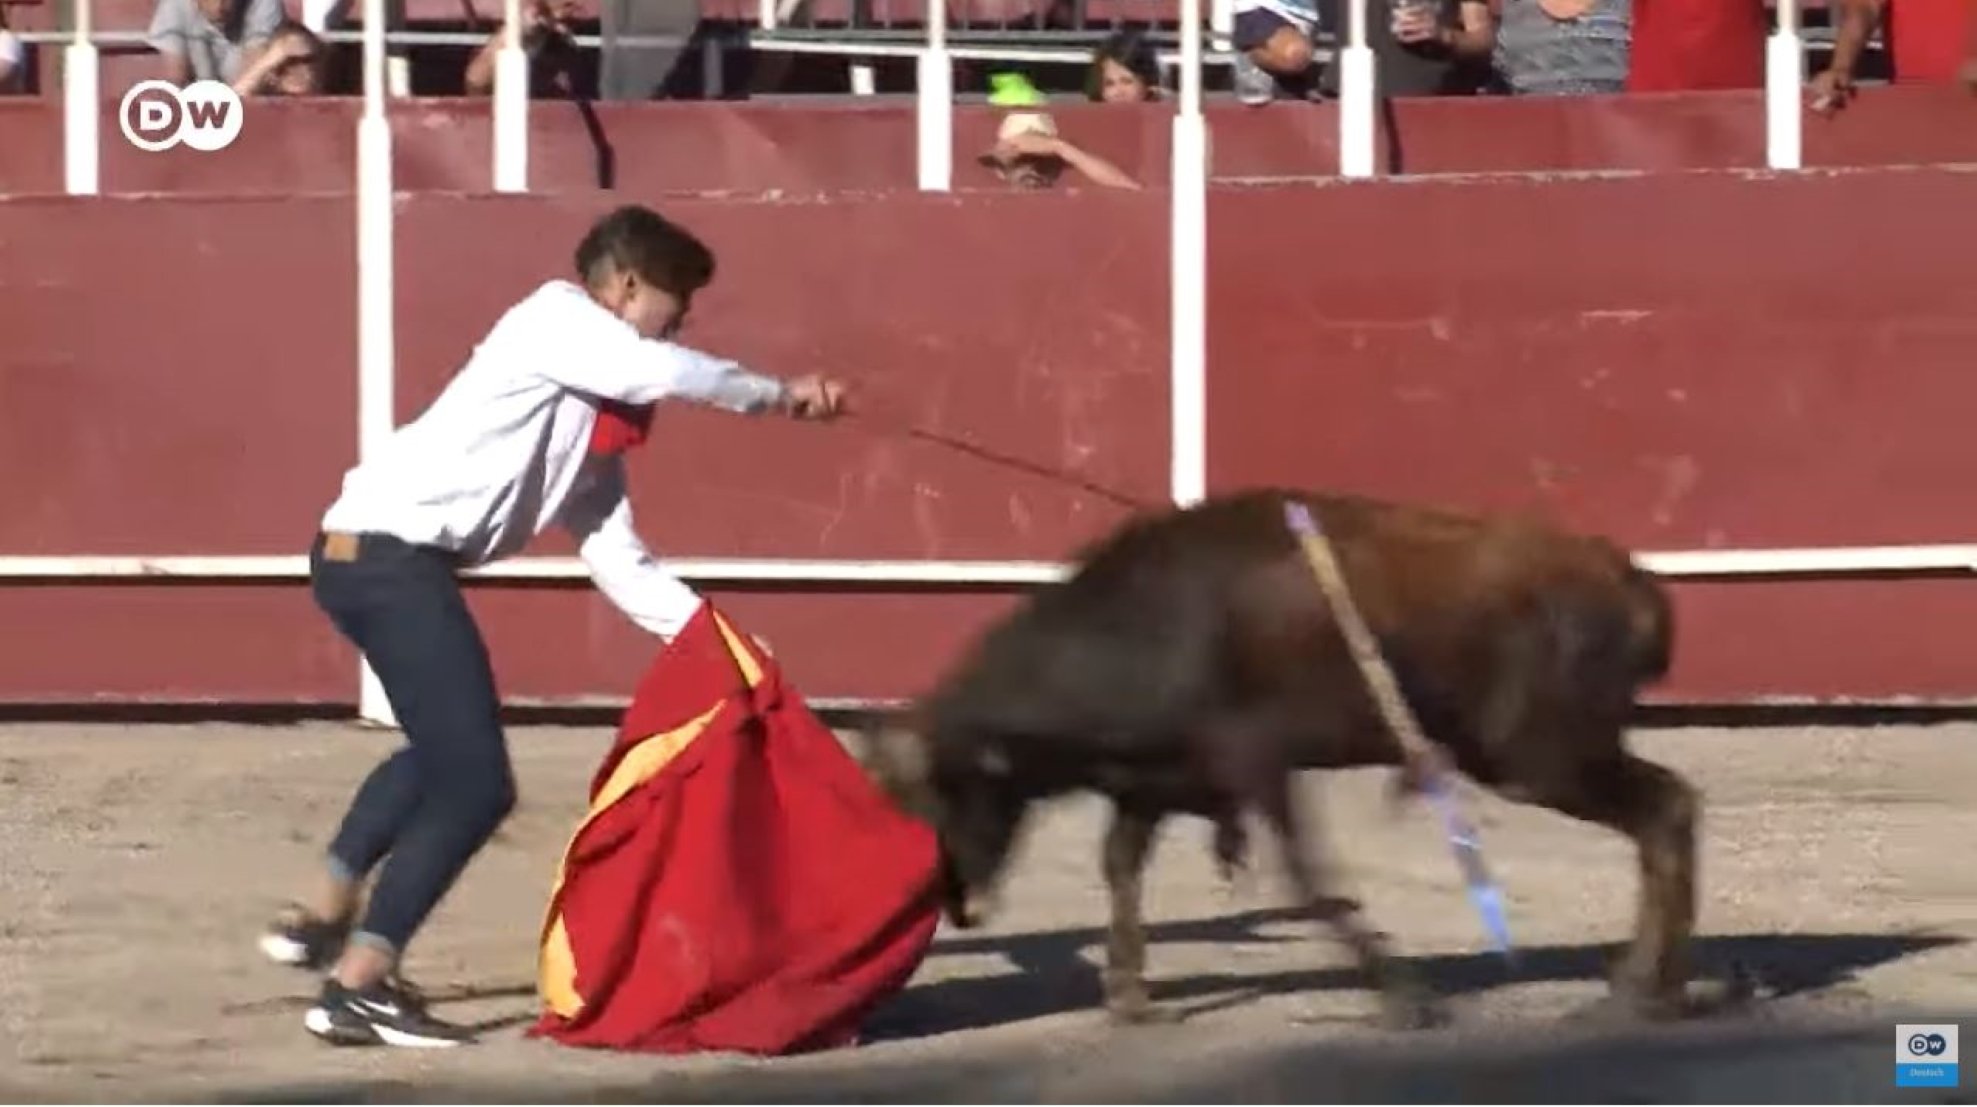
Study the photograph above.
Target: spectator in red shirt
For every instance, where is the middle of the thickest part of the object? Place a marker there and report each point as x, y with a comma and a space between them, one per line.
1688, 45
1927, 41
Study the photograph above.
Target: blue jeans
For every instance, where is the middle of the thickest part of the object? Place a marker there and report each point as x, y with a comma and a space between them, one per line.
426, 810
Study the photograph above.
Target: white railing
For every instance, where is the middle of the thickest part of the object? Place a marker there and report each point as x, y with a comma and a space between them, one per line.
1779, 563
1357, 124
511, 105
1784, 75
1188, 279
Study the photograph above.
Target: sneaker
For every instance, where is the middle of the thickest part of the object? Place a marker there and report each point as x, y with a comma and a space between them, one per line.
387, 1013
299, 940
1254, 85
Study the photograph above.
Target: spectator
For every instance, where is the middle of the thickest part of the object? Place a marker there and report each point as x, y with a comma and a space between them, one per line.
1273, 48
292, 65
12, 57
212, 40
545, 38
1562, 47
1029, 153
1123, 70
1420, 47
1690, 45
1925, 40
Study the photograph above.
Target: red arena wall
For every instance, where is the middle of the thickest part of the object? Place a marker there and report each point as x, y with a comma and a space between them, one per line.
1683, 361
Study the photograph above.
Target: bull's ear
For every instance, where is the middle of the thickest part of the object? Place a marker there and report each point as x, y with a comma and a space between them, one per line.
993, 761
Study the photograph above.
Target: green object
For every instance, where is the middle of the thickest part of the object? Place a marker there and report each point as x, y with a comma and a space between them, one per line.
1013, 90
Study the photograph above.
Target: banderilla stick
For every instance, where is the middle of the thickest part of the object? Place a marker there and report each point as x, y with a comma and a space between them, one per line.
1420, 756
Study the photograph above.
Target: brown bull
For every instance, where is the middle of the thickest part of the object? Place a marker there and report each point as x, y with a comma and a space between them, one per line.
1192, 665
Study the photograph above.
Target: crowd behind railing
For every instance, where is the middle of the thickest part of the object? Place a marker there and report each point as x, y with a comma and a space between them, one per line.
1266, 50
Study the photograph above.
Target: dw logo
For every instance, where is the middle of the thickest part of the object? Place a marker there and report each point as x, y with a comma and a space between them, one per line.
1925, 1056
156, 115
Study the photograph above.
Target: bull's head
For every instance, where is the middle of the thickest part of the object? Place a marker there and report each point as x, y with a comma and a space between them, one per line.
967, 792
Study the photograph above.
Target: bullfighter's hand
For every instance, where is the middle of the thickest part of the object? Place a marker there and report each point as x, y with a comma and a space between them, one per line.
813, 397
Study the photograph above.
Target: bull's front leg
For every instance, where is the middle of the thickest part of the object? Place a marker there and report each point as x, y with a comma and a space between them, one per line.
1658, 809
1128, 842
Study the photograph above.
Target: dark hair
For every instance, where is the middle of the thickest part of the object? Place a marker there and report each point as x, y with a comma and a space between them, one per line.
639, 240
1127, 48
289, 28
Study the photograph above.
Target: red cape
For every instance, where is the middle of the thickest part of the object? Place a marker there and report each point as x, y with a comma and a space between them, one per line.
738, 884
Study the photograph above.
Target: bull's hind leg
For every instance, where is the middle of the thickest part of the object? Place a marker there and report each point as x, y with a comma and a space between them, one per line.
1405, 1001
1255, 768
1658, 810
1128, 842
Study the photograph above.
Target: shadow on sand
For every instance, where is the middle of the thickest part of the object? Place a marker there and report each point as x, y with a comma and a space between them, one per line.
1055, 977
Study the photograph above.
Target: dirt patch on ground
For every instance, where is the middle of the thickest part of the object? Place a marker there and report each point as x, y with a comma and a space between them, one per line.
137, 864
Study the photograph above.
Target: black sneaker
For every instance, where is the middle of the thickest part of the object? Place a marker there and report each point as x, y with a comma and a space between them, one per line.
297, 939
387, 1013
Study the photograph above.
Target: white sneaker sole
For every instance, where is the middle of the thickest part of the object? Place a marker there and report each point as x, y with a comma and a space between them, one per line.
283, 951
318, 1022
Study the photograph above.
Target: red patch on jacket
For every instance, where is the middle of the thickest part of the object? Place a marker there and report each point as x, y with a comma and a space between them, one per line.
619, 427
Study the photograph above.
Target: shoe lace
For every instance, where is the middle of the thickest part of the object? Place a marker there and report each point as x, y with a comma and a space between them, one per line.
408, 994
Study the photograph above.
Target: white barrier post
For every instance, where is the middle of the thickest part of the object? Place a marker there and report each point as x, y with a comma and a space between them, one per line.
375, 333
82, 108
1355, 96
935, 104
1188, 449
511, 106
1784, 76
1222, 20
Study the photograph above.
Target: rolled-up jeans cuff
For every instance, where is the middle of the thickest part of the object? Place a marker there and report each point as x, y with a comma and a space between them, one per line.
373, 941
339, 869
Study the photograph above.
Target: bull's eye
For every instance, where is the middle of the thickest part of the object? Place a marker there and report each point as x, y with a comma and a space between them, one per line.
994, 761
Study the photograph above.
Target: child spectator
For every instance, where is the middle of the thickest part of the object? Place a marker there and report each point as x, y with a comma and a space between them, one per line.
1028, 151
1123, 70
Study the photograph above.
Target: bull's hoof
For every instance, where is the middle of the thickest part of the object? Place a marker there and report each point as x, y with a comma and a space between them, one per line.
1137, 1009
1624, 1005
1412, 1008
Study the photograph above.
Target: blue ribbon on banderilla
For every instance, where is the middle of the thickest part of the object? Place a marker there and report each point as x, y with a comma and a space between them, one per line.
1429, 767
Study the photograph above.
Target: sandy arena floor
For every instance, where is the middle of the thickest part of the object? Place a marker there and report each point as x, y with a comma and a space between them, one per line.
1840, 865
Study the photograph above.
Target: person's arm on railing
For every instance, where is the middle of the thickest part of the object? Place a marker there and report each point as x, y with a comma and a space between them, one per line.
1833, 87
1095, 168
280, 50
